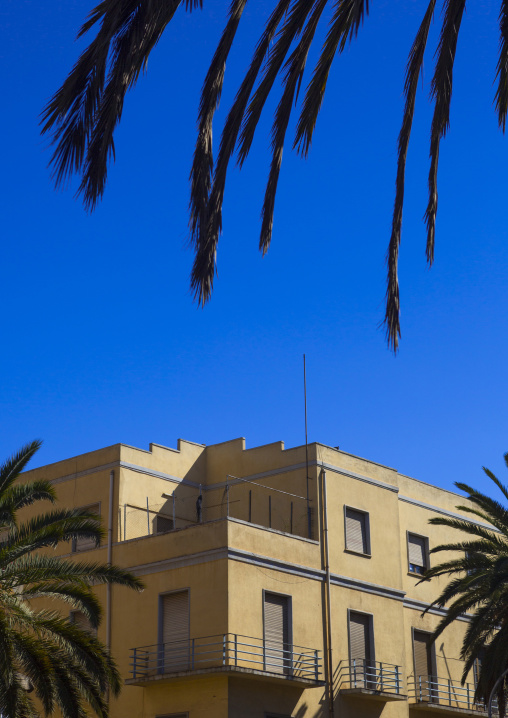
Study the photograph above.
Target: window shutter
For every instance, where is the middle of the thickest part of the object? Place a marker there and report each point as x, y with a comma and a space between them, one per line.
81, 621
416, 545
423, 665
175, 631
359, 637
86, 544
276, 637
175, 618
356, 531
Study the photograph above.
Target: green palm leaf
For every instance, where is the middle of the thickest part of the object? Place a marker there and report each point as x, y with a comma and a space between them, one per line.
478, 586
67, 668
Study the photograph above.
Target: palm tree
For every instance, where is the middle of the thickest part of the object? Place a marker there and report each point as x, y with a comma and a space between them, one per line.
43, 653
479, 586
83, 114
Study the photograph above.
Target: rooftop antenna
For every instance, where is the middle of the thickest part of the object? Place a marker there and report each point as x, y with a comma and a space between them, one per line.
306, 446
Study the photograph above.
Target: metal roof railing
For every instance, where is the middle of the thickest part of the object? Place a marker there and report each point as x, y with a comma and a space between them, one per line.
227, 650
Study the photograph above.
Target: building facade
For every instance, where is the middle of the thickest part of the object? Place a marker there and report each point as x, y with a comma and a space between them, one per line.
278, 582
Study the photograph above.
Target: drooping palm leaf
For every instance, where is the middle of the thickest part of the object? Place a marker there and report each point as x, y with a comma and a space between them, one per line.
441, 92
478, 586
67, 668
413, 71
83, 115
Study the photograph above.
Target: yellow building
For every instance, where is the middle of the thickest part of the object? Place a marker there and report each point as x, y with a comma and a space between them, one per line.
279, 582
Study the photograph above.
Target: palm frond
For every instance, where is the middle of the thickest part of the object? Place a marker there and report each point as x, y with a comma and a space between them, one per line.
84, 112
11, 469
292, 81
202, 166
345, 23
129, 50
501, 97
468, 527
441, 92
204, 267
413, 71
292, 27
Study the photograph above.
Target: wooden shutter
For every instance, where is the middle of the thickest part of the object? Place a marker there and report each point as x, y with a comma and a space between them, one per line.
359, 648
276, 638
423, 665
87, 544
175, 631
82, 622
356, 531
417, 551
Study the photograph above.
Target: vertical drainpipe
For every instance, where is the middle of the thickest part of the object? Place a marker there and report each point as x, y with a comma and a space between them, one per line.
329, 656
110, 558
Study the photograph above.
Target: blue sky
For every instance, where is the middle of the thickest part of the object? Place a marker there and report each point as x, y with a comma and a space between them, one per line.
101, 340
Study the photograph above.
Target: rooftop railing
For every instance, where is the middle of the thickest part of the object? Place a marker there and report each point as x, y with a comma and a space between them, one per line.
445, 692
227, 650
371, 675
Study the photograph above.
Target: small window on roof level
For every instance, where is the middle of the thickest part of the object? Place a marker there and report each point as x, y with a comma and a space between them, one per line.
81, 621
162, 524
86, 544
418, 551
357, 530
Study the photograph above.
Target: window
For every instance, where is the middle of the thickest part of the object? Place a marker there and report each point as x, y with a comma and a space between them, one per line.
86, 544
424, 662
357, 530
174, 623
82, 621
361, 648
470, 557
277, 633
418, 552
161, 524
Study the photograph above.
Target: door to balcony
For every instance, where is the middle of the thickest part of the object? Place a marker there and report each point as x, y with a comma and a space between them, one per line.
424, 674
361, 650
276, 640
174, 649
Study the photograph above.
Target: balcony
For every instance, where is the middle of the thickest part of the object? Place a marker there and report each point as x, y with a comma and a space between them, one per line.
370, 679
445, 697
226, 653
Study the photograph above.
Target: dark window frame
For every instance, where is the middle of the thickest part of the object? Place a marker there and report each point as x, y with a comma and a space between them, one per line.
366, 515
413, 572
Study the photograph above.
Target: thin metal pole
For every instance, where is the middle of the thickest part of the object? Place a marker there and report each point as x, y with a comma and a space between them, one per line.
328, 596
306, 446
147, 516
124, 521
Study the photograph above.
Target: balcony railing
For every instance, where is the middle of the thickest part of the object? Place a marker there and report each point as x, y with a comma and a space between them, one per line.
370, 675
445, 692
228, 650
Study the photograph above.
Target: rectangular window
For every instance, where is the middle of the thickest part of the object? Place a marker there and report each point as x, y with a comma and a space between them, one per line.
423, 666
417, 551
277, 633
174, 632
162, 524
357, 530
361, 649
86, 544
81, 621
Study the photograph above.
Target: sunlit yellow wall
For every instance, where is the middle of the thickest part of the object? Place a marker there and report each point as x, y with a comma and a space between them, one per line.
226, 590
